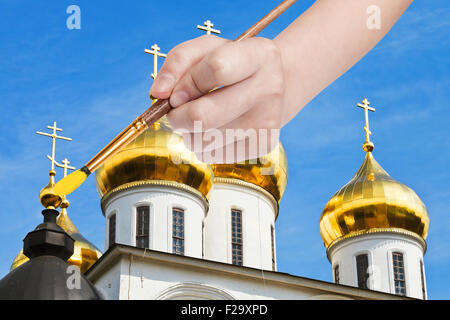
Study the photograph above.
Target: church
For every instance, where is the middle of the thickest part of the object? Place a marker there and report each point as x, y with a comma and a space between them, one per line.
178, 228
191, 230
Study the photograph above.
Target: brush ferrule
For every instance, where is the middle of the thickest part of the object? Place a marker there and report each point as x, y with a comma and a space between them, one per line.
86, 171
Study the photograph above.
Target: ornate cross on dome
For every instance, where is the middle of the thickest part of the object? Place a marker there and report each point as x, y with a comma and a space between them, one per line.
54, 136
156, 53
365, 105
207, 26
65, 166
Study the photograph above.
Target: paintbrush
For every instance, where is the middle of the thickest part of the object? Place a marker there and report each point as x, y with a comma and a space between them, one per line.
160, 108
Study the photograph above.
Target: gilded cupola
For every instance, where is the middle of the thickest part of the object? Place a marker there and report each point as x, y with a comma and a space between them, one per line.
157, 157
372, 202
269, 172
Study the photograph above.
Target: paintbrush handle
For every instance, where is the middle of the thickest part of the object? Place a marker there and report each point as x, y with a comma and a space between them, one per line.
118, 143
159, 109
266, 20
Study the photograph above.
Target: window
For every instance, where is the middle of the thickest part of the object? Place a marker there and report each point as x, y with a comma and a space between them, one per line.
272, 236
112, 230
336, 274
178, 231
142, 227
399, 273
362, 265
236, 237
422, 276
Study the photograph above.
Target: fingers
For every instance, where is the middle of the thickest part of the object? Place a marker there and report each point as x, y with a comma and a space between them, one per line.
266, 132
224, 66
252, 147
214, 109
179, 60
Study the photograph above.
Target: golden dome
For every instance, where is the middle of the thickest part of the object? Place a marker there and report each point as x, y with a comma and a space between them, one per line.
373, 202
48, 197
85, 253
158, 154
269, 172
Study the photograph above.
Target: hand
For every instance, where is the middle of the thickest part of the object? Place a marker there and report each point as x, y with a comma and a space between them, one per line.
239, 120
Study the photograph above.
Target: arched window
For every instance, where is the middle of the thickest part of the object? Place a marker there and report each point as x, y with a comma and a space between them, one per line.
272, 236
422, 277
112, 230
399, 273
336, 274
362, 266
236, 237
178, 231
142, 226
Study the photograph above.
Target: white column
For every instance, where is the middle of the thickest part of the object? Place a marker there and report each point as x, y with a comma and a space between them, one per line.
258, 216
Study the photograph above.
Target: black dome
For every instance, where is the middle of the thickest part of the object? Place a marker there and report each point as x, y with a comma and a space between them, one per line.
45, 278
47, 275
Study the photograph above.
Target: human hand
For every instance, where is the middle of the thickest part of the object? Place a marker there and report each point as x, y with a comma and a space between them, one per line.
241, 119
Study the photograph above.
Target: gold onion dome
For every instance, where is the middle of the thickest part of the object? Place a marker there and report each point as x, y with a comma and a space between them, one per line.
85, 254
157, 157
269, 172
373, 202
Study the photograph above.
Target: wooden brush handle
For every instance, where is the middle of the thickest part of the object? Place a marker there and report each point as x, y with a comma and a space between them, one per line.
156, 111
266, 20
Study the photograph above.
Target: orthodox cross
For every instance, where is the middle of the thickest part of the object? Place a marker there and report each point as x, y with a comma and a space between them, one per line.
155, 52
54, 136
365, 105
207, 26
64, 165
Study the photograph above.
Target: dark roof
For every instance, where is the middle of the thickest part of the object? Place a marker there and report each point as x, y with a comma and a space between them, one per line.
47, 275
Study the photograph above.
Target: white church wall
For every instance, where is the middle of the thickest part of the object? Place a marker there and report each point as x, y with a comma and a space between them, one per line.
155, 275
161, 201
379, 248
258, 215
142, 281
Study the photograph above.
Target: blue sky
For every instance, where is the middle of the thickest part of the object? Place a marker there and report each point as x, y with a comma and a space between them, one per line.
94, 81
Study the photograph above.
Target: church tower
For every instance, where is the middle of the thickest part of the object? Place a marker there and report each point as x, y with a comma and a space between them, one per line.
374, 229
154, 194
240, 226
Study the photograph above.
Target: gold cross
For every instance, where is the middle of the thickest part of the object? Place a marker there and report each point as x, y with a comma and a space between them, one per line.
365, 105
54, 136
207, 26
65, 165
155, 52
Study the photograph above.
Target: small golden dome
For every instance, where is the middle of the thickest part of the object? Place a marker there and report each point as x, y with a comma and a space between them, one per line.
158, 154
269, 172
85, 254
370, 202
48, 197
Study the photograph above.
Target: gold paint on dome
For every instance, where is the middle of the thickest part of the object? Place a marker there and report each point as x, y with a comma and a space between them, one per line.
269, 172
47, 196
372, 200
158, 153
85, 253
